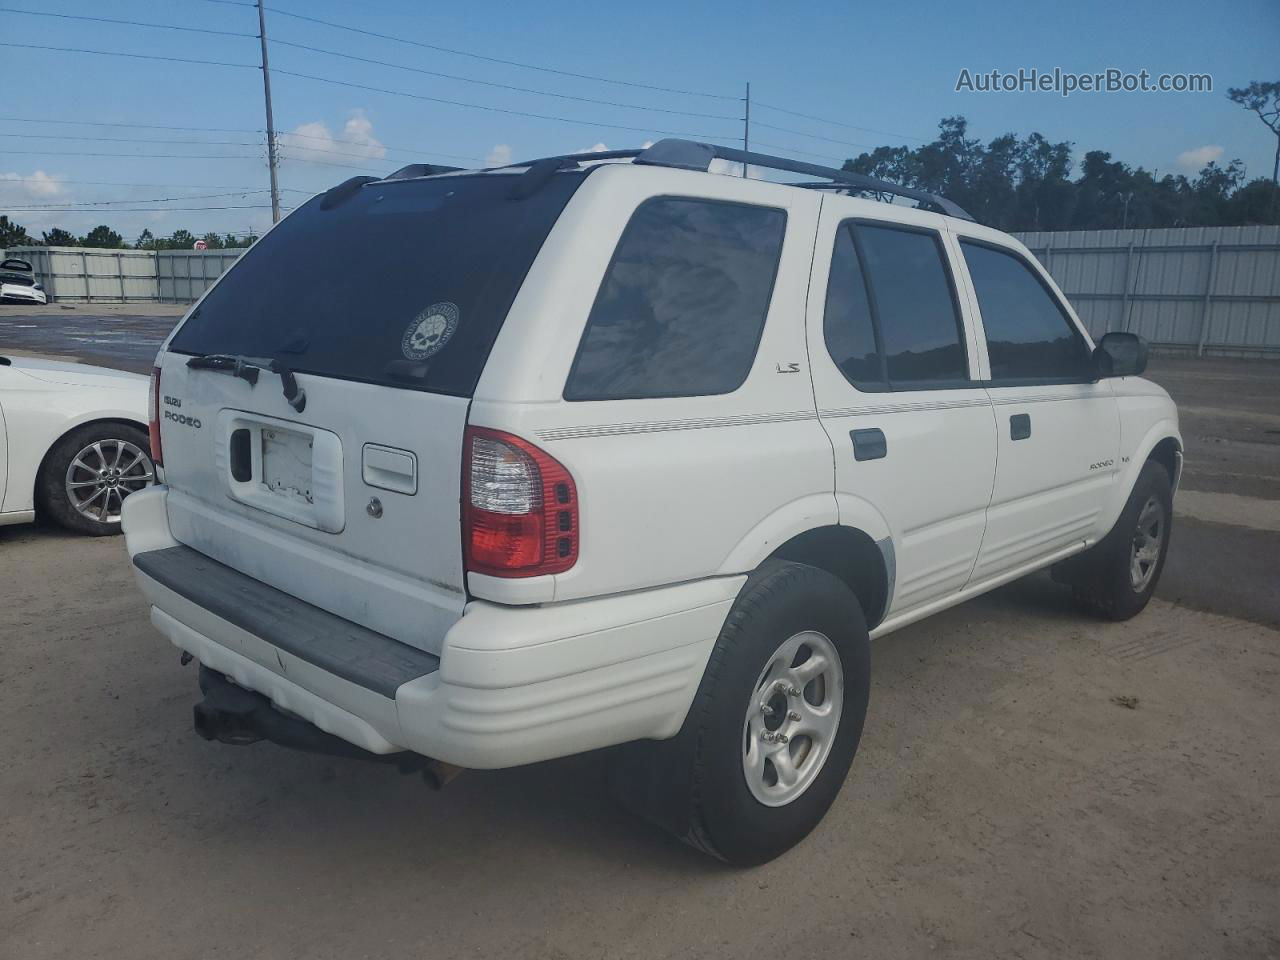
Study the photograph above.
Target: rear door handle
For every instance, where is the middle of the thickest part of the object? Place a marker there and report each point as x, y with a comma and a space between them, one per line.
869, 444
1020, 426
390, 468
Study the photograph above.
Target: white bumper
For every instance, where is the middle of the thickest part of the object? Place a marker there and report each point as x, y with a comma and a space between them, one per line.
515, 684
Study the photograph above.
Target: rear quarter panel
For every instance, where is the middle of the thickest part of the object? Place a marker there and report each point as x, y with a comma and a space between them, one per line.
669, 488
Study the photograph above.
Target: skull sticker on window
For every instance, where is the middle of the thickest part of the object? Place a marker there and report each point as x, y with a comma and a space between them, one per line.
429, 331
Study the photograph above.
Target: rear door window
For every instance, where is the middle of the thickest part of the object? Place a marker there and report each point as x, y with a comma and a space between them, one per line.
892, 321
1029, 335
405, 283
683, 303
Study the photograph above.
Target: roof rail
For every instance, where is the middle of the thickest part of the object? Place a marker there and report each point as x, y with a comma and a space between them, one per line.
419, 170
690, 155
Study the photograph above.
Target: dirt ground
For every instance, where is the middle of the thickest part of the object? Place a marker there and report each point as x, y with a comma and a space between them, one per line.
1032, 783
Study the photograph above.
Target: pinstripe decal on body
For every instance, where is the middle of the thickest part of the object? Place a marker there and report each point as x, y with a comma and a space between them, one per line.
662, 426
708, 423
915, 406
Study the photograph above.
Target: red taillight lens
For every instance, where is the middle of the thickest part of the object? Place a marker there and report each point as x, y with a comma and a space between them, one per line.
153, 416
519, 507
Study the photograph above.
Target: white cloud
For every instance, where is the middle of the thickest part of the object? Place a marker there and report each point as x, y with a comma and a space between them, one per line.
37, 185
314, 141
1195, 160
598, 148
499, 156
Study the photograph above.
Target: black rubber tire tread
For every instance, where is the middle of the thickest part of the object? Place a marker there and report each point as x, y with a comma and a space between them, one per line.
693, 785
1100, 582
51, 496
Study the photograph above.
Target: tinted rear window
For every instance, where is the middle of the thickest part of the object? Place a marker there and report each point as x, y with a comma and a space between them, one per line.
683, 303
405, 284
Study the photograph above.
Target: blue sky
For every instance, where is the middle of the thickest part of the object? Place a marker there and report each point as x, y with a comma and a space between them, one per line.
887, 67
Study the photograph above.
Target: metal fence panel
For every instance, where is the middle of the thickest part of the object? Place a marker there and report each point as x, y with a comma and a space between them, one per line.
183, 276
1214, 289
92, 275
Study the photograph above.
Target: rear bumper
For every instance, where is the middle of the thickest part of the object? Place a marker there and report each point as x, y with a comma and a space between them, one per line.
512, 685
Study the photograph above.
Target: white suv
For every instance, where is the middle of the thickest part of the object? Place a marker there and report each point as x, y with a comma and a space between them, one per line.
617, 451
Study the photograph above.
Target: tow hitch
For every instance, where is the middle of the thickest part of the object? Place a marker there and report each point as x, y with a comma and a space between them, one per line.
231, 714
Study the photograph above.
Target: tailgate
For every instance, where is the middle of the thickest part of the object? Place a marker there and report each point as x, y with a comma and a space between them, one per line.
351, 505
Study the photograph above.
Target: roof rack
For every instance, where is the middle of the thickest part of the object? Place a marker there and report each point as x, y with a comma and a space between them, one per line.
692, 155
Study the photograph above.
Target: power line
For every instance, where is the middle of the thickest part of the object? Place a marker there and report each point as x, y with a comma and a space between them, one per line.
138, 126
108, 203
803, 153
503, 110
364, 143
479, 56
156, 186
127, 23
133, 56
249, 206
501, 86
837, 123
156, 126
360, 86
138, 156
201, 143
814, 136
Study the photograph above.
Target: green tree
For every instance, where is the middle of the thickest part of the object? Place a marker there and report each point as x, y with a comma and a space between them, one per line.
12, 234
1264, 100
103, 236
57, 237
178, 240
213, 240
146, 240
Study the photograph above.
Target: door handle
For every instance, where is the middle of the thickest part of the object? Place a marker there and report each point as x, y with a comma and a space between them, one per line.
1020, 426
869, 444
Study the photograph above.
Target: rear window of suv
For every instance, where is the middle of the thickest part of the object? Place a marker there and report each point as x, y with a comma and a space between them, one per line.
405, 283
683, 304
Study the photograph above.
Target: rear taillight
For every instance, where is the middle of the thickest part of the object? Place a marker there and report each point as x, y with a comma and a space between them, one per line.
519, 507
153, 416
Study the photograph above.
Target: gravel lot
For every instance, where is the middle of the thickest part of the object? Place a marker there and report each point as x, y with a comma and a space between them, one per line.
1032, 783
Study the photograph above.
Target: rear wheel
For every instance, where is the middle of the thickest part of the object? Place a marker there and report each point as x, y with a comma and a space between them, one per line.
1116, 578
88, 474
773, 728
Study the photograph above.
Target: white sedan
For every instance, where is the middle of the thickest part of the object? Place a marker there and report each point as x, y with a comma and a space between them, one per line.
18, 283
73, 443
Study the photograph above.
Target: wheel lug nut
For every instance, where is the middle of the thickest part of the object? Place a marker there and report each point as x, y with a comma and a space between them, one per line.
793, 691
793, 717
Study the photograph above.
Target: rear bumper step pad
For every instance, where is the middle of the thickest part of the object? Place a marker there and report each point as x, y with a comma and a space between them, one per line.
364, 657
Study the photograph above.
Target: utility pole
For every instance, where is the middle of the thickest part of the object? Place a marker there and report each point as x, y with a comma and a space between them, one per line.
272, 157
746, 127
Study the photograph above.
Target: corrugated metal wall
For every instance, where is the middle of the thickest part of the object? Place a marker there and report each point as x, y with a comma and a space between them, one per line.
183, 275
1208, 289
91, 275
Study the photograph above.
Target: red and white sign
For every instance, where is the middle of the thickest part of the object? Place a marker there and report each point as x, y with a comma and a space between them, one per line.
200, 245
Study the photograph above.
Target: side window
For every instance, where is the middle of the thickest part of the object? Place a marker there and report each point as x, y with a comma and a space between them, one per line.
847, 324
1029, 336
682, 304
891, 319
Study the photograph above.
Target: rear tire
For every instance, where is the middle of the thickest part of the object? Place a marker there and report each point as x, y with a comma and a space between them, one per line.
88, 473
1116, 578
773, 727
